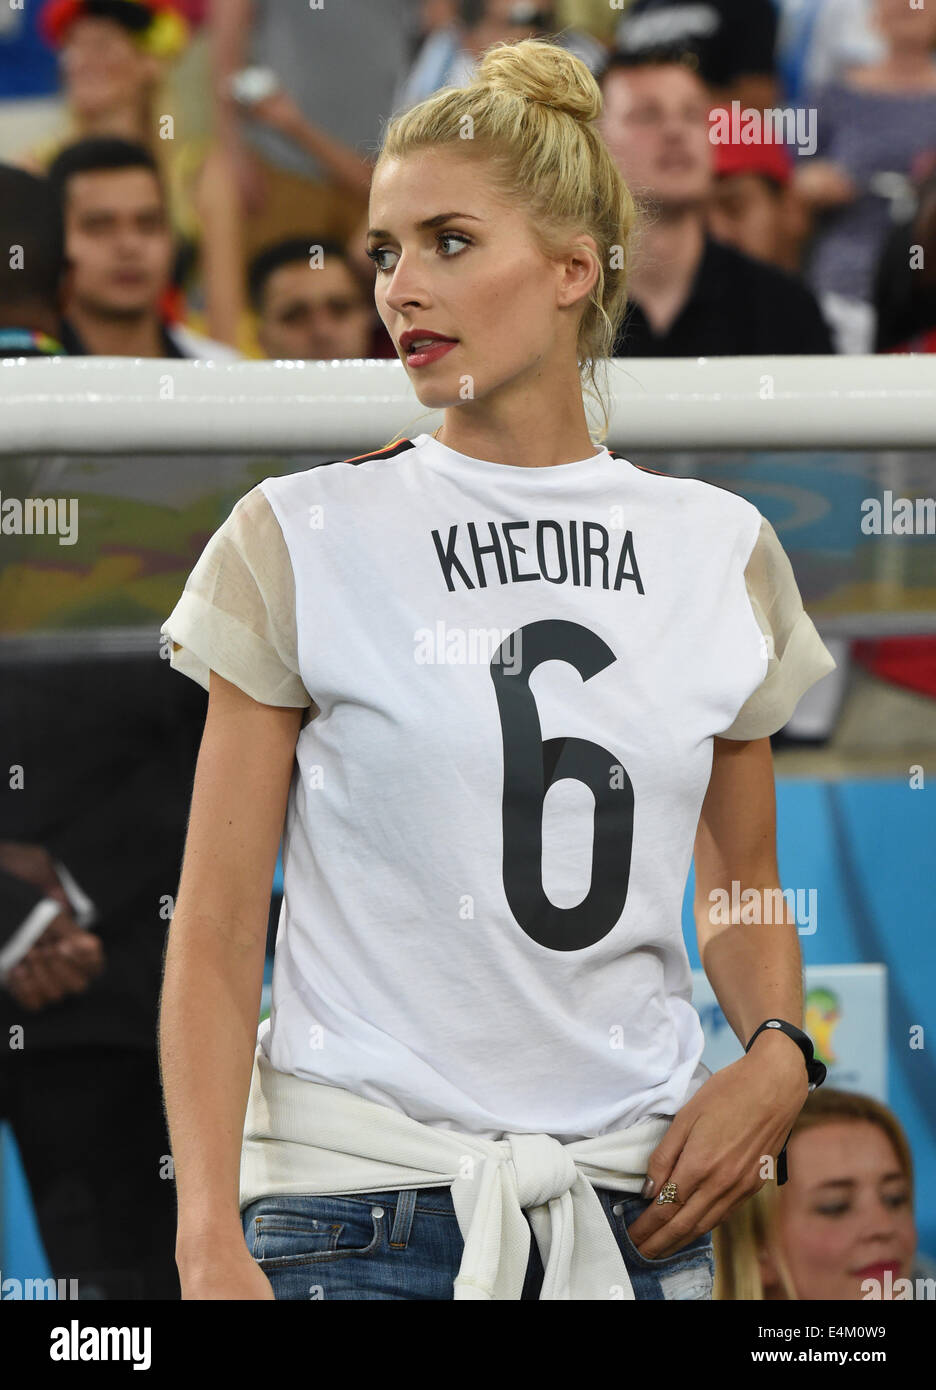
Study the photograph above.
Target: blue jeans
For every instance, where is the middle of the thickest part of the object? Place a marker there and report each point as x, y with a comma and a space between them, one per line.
407, 1244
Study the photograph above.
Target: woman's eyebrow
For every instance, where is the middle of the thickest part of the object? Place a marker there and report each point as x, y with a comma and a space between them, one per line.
850, 1182
429, 222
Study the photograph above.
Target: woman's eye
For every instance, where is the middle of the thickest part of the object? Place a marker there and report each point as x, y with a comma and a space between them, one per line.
378, 251
454, 236
833, 1211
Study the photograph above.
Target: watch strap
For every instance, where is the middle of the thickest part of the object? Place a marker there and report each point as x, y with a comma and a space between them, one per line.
815, 1070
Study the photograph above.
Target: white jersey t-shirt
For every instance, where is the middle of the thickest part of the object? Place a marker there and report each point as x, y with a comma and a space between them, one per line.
513, 678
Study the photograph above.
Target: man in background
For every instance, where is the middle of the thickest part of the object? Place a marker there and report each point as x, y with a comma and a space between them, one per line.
690, 295
753, 206
119, 253
311, 303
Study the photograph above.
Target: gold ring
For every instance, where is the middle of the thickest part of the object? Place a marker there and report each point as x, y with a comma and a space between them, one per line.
668, 1193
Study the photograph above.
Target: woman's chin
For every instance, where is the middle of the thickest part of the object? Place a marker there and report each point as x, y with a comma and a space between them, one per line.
436, 396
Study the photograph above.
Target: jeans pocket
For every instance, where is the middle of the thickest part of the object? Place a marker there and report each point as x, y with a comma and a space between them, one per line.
626, 1211
295, 1230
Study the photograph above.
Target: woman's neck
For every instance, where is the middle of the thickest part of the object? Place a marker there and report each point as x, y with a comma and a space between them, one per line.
538, 437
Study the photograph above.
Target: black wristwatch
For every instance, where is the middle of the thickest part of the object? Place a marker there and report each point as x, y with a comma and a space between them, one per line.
815, 1071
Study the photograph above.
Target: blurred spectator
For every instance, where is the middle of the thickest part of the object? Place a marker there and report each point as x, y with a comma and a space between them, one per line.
905, 279
341, 69
690, 294
436, 14
844, 1215
448, 56
349, 171
114, 57
90, 852
119, 251
307, 312
871, 127
30, 284
733, 42
91, 840
818, 39
751, 207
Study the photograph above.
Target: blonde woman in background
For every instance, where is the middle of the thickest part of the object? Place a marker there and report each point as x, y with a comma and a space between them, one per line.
843, 1218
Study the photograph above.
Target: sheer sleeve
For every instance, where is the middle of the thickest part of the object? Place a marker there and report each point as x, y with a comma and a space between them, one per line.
796, 654
237, 612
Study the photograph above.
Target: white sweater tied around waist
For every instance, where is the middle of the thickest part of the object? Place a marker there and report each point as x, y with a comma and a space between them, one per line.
301, 1136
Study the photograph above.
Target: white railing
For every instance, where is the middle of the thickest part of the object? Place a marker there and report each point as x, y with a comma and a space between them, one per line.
140, 405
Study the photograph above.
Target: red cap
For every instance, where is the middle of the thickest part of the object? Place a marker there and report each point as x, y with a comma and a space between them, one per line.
772, 160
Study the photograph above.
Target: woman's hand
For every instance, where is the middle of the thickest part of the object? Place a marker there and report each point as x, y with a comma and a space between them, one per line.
714, 1150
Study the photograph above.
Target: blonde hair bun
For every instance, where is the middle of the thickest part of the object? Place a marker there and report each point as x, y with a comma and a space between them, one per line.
542, 72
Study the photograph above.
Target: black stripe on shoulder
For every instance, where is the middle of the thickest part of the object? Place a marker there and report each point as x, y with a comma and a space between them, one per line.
722, 487
389, 451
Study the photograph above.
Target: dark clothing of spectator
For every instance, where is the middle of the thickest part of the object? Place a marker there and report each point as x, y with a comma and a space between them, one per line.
108, 749
737, 306
89, 1127
75, 347
904, 306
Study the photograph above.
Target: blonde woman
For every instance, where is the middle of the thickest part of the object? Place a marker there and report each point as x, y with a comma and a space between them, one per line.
842, 1227
499, 681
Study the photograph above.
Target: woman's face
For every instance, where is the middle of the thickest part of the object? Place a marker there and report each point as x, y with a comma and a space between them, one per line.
475, 276
844, 1213
103, 67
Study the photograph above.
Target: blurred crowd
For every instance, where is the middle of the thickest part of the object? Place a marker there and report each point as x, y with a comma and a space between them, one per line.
198, 149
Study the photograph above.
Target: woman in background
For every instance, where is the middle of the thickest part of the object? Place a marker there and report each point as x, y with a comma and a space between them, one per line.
842, 1226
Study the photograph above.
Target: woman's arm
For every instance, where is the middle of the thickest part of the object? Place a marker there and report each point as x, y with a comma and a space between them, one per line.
716, 1147
210, 1001
750, 953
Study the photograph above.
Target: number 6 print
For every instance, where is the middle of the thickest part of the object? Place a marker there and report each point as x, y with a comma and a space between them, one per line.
531, 766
